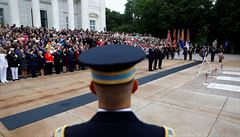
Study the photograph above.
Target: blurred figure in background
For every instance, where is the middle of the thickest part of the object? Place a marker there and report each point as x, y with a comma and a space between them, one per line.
220, 53
49, 62
3, 65
33, 62
23, 63
212, 50
41, 62
13, 62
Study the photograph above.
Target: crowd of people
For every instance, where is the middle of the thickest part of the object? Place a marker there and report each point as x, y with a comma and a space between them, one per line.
39, 51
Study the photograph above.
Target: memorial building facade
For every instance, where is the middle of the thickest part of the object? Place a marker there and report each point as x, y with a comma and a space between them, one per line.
58, 14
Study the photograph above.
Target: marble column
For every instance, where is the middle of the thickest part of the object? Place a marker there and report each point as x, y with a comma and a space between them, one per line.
55, 8
36, 13
14, 12
71, 14
84, 14
103, 16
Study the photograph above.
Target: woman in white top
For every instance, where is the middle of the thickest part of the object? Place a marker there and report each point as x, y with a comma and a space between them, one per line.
3, 65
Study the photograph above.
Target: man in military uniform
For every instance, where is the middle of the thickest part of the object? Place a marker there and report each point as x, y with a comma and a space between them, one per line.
113, 83
151, 57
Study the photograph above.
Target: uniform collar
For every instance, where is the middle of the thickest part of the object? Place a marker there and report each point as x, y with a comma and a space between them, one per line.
117, 110
114, 117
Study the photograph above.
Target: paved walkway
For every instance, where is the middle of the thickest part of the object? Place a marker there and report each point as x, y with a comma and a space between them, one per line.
185, 101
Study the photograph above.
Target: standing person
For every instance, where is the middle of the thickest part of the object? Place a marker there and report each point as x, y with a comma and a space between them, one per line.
13, 62
64, 60
49, 62
172, 50
220, 53
3, 65
176, 53
212, 51
190, 52
70, 55
76, 55
160, 57
203, 53
81, 66
180, 51
57, 60
41, 62
195, 50
23, 63
185, 51
113, 83
156, 50
151, 57
33, 58
166, 51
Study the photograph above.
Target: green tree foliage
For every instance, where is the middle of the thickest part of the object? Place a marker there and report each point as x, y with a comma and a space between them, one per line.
206, 21
225, 24
114, 20
157, 16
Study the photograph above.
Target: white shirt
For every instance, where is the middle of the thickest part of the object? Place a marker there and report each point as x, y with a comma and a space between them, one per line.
118, 110
3, 61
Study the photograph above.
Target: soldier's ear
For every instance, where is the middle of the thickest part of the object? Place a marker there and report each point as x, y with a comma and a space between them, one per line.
92, 88
135, 86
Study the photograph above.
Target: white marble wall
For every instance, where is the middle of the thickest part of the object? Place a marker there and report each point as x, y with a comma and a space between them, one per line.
25, 12
4, 6
94, 13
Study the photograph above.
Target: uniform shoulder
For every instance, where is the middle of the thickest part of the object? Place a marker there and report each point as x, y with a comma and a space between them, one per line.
59, 132
169, 132
66, 131
160, 130
77, 130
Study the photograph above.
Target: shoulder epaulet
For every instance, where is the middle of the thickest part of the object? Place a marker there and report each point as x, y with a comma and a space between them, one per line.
169, 132
59, 132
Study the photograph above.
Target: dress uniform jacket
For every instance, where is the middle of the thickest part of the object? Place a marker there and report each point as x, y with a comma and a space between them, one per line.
114, 124
151, 56
13, 60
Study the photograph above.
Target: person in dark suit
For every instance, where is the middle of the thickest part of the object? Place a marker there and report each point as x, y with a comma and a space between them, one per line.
57, 60
185, 51
156, 50
190, 52
160, 57
70, 55
151, 57
172, 51
212, 50
33, 56
166, 51
113, 83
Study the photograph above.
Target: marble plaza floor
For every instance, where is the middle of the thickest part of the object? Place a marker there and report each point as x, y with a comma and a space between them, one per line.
205, 104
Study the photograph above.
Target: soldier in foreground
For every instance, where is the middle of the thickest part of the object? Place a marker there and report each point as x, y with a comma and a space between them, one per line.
113, 71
